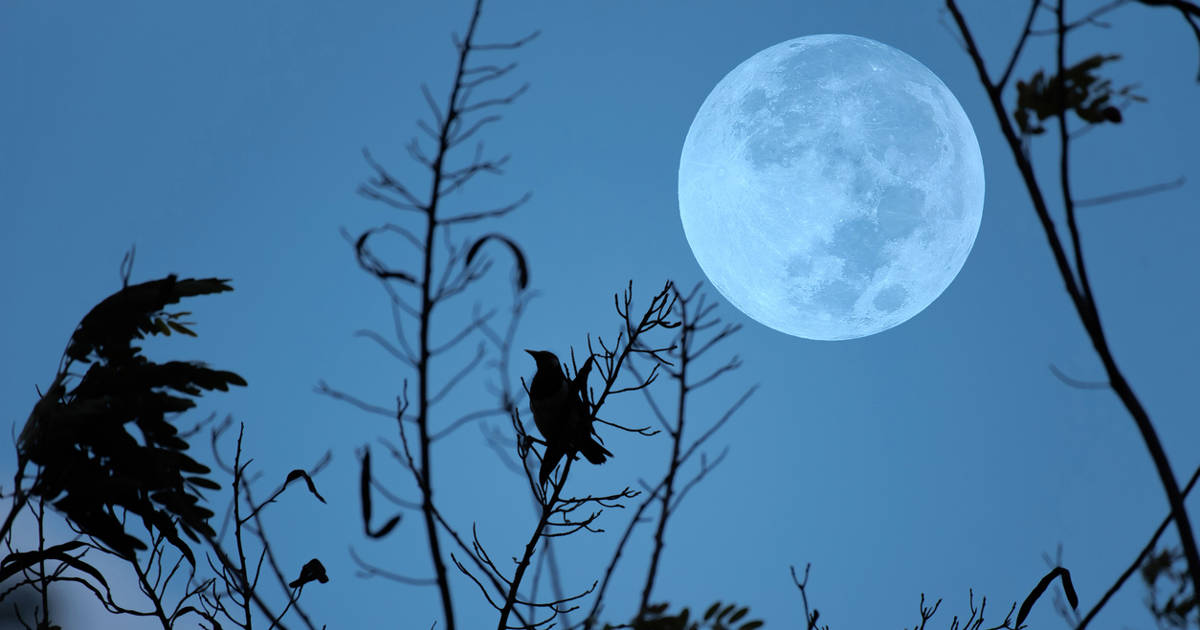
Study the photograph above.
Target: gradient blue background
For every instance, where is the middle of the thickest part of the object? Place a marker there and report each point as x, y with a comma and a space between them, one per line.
224, 140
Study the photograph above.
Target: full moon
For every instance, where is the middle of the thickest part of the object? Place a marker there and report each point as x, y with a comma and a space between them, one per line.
831, 187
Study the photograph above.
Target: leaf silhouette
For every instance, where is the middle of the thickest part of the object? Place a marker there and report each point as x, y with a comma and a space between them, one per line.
522, 268
297, 474
1037, 591
80, 437
364, 490
129, 313
373, 265
16, 562
1079, 89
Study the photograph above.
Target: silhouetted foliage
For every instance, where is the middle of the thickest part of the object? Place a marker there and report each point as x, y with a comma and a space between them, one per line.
364, 489
1165, 575
718, 616
89, 463
1036, 593
93, 466
234, 593
1081, 89
105, 447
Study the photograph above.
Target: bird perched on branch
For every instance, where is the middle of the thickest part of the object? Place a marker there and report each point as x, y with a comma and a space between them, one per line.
561, 413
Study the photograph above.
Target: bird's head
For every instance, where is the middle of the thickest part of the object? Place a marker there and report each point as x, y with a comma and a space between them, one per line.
545, 359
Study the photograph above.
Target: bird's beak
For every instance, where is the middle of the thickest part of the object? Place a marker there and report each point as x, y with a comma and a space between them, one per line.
532, 353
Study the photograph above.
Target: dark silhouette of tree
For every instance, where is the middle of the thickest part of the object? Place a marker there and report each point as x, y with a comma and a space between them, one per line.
1079, 89
89, 464
1078, 98
104, 446
447, 269
698, 332
561, 514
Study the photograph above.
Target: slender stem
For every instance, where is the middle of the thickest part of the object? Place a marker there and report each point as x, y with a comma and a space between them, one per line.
1012, 61
1091, 319
510, 599
427, 305
1064, 170
1023, 164
669, 482
148, 589
293, 602
597, 603
1137, 562
241, 573
41, 520
227, 563
1080, 292
21, 497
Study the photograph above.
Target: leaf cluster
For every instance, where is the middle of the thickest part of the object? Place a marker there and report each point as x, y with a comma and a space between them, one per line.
1167, 566
90, 461
1079, 89
718, 616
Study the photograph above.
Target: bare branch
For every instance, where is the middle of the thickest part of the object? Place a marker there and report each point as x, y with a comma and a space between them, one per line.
324, 388
467, 419
1078, 384
1130, 194
486, 214
507, 45
368, 570
1016, 54
438, 118
458, 377
404, 355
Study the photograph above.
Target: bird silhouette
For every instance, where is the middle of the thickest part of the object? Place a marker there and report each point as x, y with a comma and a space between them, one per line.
561, 413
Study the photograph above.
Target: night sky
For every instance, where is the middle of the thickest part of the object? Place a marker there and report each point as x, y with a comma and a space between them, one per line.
226, 140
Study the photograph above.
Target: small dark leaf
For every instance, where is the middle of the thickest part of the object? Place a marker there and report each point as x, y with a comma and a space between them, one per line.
297, 474
752, 625
1072, 597
17, 562
738, 615
204, 482
364, 489
386, 529
1037, 591
712, 610
522, 268
180, 328
372, 265
14, 563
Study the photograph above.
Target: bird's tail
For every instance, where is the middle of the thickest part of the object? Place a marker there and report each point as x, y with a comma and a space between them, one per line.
594, 451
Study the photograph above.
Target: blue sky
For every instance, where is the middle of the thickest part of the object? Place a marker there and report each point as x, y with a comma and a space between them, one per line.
224, 140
